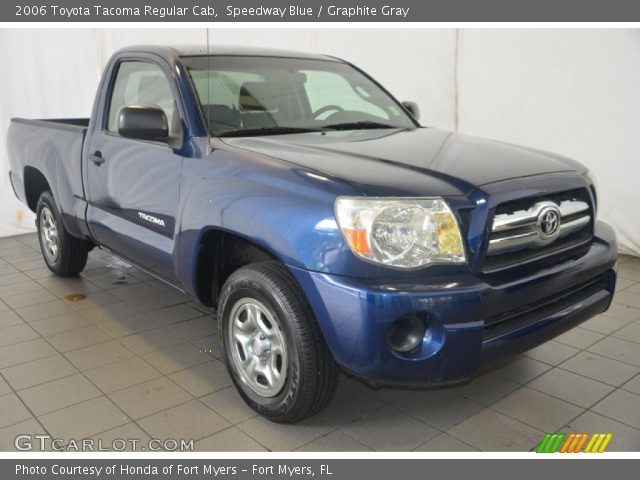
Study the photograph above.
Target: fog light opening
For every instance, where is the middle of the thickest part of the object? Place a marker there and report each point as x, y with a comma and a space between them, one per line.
405, 334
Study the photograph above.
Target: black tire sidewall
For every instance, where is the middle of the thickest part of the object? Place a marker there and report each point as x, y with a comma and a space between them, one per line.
46, 199
246, 287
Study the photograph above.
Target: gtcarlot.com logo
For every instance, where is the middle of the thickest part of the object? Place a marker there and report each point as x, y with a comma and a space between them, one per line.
574, 443
43, 442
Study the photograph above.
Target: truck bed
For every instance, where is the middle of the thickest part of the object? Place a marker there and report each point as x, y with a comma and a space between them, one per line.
64, 123
53, 148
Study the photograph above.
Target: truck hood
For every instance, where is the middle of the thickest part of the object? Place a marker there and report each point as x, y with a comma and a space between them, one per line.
423, 161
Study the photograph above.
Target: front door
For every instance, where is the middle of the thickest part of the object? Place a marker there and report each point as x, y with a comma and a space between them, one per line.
134, 185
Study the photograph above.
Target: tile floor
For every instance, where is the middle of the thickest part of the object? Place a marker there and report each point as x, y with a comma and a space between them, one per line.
136, 359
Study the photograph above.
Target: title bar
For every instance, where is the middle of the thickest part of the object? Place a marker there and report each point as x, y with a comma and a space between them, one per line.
319, 11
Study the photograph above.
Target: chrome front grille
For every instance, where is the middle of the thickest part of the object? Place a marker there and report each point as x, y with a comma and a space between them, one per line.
526, 228
522, 229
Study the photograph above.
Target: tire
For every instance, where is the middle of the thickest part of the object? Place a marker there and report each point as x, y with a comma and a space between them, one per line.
299, 376
64, 255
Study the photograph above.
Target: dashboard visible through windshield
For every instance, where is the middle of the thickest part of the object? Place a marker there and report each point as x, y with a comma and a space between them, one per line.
252, 95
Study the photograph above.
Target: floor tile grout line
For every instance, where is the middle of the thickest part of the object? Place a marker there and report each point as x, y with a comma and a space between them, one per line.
449, 432
615, 387
41, 384
622, 387
31, 360
43, 414
617, 420
90, 435
557, 339
538, 375
193, 397
564, 400
522, 421
161, 374
352, 421
123, 317
400, 410
335, 429
590, 410
33, 415
610, 335
248, 434
141, 427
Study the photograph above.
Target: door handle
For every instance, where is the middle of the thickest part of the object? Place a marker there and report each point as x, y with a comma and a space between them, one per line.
97, 158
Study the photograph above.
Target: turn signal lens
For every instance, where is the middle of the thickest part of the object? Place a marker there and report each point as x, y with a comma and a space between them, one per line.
358, 240
449, 240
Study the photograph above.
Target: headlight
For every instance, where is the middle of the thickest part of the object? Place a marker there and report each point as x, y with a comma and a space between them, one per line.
402, 232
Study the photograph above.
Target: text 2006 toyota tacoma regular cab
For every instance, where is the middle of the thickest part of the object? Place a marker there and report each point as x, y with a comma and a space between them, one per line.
330, 230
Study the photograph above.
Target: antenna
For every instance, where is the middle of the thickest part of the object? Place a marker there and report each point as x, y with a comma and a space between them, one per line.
208, 119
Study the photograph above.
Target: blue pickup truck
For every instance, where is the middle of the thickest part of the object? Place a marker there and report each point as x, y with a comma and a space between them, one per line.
329, 229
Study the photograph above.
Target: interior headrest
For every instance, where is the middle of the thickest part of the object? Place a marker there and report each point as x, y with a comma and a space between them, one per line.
262, 95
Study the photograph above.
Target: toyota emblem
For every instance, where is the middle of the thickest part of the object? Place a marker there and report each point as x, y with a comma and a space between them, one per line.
549, 222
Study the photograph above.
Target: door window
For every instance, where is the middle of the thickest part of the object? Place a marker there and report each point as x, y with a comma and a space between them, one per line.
142, 83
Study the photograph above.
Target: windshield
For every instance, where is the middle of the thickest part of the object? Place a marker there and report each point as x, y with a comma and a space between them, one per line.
245, 95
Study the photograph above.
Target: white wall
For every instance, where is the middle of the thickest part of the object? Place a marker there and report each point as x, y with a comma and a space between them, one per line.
44, 74
574, 91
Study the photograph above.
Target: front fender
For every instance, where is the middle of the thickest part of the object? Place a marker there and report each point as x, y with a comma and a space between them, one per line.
286, 210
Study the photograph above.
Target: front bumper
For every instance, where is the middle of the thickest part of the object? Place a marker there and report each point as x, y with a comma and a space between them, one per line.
355, 315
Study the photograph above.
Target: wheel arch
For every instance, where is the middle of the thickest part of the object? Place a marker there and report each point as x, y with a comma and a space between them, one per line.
35, 183
219, 254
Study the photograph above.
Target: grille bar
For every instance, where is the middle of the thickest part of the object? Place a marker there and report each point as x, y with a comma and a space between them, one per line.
528, 235
523, 218
522, 226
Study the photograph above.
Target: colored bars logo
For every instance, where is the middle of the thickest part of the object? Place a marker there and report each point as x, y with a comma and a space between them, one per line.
573, 443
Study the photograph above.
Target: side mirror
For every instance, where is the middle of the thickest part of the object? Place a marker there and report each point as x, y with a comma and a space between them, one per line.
413, 109
142, 122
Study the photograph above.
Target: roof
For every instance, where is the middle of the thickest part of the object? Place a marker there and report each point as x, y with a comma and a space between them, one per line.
170, 51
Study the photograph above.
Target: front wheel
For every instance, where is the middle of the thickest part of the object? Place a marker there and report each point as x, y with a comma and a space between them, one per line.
274, 349
64, 254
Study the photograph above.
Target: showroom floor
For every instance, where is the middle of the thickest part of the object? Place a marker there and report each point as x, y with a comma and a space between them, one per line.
136, 359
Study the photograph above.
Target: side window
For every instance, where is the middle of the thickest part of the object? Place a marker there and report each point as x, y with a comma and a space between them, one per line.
327, 88
142, 83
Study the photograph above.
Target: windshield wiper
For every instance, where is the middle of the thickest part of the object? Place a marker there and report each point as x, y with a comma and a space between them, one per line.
253, 132
361, 125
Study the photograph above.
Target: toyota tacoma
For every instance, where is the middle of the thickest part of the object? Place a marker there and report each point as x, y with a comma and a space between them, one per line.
330, 230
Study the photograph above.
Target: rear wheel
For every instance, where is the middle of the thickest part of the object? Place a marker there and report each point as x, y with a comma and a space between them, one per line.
64, 255
275, 351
